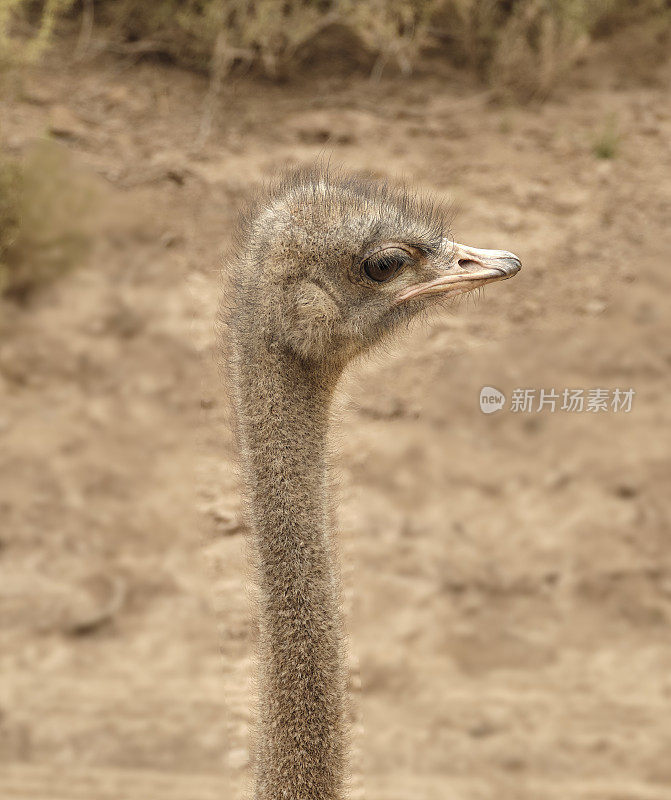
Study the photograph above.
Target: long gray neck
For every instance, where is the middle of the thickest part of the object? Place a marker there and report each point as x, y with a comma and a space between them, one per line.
283, 414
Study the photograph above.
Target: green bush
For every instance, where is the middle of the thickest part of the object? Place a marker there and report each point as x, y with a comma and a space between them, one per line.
44, 212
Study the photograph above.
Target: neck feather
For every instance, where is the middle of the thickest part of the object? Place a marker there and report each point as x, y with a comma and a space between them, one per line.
283, 411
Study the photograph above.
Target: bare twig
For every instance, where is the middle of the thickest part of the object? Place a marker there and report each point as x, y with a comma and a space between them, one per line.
220, 62
84, 40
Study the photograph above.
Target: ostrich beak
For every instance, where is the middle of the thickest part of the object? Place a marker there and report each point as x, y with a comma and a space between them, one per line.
469, 269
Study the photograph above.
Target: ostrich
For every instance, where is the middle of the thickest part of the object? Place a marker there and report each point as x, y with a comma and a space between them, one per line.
327, 265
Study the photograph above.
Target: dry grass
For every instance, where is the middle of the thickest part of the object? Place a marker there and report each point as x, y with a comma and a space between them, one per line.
44, 212
395, 31
537, 46
523, 47
34, 37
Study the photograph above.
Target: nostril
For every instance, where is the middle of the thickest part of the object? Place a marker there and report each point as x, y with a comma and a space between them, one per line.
468, 264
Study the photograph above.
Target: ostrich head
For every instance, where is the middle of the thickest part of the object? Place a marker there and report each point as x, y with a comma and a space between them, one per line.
332, 264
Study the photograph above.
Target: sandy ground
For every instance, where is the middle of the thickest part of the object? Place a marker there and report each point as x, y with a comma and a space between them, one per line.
508, 575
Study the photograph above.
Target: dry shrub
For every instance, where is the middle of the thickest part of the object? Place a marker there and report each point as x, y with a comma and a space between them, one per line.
525, 47
395, 30
45, 209
468, 31
200, 32
21, 42
537, 45
522, 47
268, 33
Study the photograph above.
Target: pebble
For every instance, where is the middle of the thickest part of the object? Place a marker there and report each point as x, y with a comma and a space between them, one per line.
238, 758
38, 95
594, 307
63, 123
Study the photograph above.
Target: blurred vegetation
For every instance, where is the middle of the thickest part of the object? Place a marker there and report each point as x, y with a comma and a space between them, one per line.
607, 143
31, 44
44, 211
518, 46
525, 47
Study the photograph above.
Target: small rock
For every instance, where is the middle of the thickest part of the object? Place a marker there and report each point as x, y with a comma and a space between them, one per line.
65, 124
227, 521
594, 307
38, 94
626, 491
169, 164
99, 599
171, 239
238, 758
557, 478
116, 95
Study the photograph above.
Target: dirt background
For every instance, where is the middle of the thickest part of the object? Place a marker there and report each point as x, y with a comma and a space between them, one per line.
508, 576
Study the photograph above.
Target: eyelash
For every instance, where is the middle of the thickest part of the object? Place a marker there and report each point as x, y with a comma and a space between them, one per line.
385, 261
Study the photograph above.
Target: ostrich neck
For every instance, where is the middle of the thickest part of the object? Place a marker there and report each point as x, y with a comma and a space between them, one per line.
283, 412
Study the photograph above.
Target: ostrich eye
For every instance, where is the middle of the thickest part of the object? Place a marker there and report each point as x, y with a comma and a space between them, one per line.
385, 264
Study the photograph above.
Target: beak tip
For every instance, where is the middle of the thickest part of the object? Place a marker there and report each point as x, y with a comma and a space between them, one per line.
512, 265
